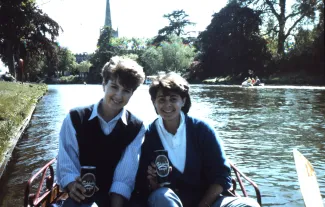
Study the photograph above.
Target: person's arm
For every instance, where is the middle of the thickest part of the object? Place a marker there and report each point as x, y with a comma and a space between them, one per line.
116, 200
211, 195
126, 170
216, 169
68, 166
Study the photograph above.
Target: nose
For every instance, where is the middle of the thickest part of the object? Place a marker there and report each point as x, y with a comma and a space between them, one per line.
167, 103
119, 94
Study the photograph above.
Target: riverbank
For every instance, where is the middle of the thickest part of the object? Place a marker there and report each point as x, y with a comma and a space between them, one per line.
17, 104
274, 79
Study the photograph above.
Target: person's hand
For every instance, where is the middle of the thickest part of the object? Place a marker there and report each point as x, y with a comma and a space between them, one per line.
152, 176
75, 190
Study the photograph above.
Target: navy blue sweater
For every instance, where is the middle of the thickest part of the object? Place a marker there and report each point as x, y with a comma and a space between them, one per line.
205, 163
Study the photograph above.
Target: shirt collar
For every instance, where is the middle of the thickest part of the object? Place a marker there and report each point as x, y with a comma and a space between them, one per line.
181, 123
121, 115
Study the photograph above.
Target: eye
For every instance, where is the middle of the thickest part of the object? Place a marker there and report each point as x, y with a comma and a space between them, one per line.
127, 90
161, 100
114, 86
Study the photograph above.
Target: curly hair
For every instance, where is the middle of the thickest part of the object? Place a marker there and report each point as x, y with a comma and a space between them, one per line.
127, 71
171, 82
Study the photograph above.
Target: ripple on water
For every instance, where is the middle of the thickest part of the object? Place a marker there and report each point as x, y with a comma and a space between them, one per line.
259, 127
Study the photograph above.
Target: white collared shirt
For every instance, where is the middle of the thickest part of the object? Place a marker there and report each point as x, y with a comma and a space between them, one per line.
108, 127
174, 144
68, 165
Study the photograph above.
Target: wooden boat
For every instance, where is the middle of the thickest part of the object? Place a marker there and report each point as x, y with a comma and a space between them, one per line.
308, 181
42, 191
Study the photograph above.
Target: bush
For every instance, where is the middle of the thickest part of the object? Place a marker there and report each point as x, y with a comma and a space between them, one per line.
72, 79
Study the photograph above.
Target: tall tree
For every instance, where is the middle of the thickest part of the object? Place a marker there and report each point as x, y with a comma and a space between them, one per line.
231, 44
168, 56
67, 61
103, 54
178, 20
24, 31
286, 22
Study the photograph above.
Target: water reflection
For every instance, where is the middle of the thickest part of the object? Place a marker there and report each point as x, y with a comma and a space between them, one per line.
259, 126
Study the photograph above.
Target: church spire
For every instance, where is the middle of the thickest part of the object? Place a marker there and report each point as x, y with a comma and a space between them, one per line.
108, 21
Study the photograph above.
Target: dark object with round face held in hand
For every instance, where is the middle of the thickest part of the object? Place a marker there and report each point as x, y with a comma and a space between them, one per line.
88, 180
162, 167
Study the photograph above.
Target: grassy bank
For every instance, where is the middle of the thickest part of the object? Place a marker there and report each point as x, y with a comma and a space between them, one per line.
16, 101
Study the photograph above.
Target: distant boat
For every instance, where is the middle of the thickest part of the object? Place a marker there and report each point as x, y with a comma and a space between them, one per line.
147, 81
247, 84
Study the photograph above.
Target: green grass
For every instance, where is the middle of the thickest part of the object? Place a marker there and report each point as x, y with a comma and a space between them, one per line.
16, 101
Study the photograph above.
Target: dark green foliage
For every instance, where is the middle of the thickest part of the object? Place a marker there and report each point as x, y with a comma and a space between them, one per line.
25, 32
178, 20
103, 54
308, 54
308, 58
302, 12
231, 43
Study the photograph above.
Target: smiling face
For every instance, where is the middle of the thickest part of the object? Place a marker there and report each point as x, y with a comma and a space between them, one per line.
116, 96
168, 105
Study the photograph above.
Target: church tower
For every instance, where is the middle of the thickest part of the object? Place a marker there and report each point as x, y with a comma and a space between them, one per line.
108, 19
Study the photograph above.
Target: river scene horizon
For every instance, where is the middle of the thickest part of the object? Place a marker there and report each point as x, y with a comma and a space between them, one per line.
259, 126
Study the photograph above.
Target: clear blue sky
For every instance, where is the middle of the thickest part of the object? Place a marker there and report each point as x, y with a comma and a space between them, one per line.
81, 20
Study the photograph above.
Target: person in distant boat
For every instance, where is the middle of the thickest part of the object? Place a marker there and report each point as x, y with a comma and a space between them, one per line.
257, 82
200, 170
253, 81
104, 135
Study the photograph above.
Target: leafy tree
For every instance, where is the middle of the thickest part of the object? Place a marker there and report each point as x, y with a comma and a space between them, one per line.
169, 56
67, 61
83, 67
123, 45
131, 56
25, 31
277, 12
231, 44
102, 55
178, 20
108, 46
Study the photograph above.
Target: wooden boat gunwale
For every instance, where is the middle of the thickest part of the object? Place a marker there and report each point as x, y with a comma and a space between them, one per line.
53, 193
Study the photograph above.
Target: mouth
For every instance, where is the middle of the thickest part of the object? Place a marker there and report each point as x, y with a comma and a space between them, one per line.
116, 101
167, 111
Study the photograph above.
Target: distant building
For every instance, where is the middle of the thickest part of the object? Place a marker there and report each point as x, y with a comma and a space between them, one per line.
108, 19
81, 57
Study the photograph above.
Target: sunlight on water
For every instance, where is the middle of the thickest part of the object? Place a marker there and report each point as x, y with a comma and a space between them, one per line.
259, 126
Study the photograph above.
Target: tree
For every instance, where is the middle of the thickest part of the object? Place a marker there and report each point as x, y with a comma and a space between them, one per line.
67, 61
178, 20
231, 44
25, 31
102, 55
83, 67
286, 23
169, 56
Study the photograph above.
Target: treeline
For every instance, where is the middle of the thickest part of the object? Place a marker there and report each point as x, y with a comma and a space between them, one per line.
246, 35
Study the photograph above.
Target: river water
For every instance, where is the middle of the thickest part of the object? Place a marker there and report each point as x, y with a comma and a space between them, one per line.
260, 128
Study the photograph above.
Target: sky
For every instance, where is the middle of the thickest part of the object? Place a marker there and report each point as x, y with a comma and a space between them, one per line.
81, 20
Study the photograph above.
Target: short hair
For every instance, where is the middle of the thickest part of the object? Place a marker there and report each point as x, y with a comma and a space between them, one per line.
127, 71
171, 82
